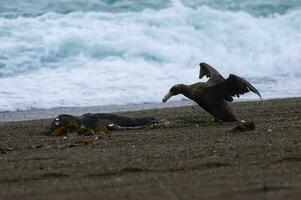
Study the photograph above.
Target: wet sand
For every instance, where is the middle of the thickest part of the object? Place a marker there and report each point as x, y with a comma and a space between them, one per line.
190, 158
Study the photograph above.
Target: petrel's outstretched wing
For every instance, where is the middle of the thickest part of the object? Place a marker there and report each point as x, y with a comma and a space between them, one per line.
214, 76
232, 86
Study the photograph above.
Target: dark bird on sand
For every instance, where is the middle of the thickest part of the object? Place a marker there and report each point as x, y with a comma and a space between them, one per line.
96, 123
214, 95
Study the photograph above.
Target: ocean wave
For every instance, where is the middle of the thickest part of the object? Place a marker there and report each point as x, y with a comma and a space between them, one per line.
101, 58
30, 8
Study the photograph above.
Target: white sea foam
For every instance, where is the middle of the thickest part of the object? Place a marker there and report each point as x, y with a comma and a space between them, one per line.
98, 58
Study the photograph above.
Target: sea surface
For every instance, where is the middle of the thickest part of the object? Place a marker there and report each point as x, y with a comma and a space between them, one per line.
78, 53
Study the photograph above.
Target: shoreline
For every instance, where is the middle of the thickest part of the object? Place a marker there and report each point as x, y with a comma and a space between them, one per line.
36, 113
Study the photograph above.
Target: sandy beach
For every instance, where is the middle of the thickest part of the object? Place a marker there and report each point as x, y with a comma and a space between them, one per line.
76, 57
191, 157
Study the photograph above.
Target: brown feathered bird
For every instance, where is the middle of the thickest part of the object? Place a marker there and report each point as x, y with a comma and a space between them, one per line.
214, 95
98, 122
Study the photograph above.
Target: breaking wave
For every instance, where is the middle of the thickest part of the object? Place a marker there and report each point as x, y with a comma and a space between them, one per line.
86, 58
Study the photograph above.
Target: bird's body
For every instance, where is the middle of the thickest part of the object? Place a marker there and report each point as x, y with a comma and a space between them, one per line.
219, 108
99, 122
214, 95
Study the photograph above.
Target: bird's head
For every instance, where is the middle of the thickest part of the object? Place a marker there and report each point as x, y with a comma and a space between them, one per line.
61, 123
174, 90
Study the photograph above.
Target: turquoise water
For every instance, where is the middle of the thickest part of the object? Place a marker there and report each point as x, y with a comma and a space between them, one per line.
15, 8
56, 53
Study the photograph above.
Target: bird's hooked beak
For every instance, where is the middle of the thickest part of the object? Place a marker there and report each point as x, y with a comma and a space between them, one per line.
167, 96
